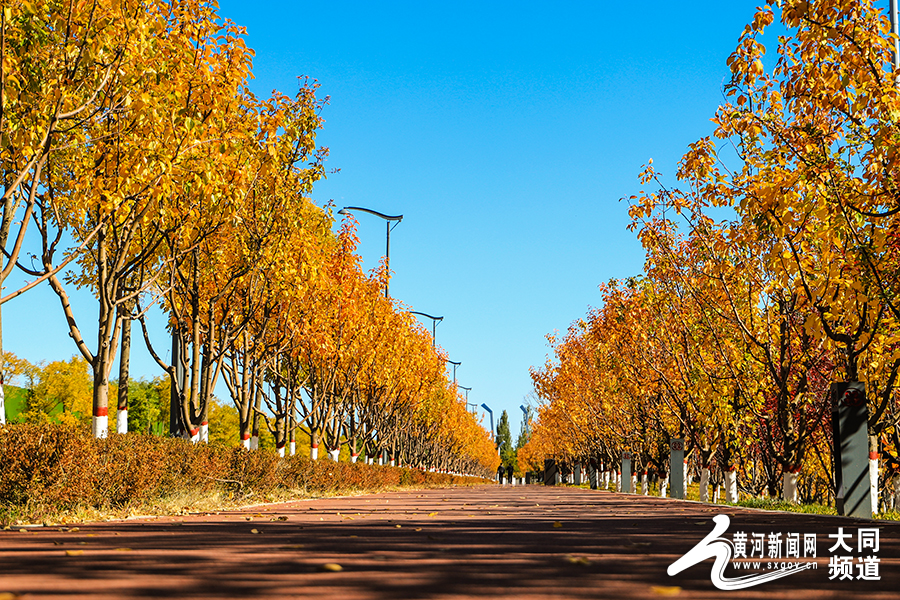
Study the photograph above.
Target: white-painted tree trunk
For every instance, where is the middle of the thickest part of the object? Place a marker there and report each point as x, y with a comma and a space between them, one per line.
354, 457
663, 486
618, 481
716, 494
281, 451
204, 433
254, 442
645, 484
704, 484
195, 436
873, 481
335, 454
731, 489
2, 405
122, 421
392, 461
314, 452
99, 426
789, 487
245, 443
634, 480
606, 480
293, 448
380, 460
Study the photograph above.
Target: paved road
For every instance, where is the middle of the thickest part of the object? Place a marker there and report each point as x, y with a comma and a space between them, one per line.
486, 542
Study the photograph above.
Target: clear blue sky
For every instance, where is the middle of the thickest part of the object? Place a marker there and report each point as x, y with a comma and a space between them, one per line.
504, 132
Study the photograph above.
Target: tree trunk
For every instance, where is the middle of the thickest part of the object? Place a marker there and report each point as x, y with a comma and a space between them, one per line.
314, 444
254, 437
293, 426
731, 489
789, 486
873, 472
124, 357
704, 484
101, 360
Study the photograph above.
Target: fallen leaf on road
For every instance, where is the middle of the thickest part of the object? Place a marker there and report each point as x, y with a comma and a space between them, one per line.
398, 526
254, 531
434, 514
557, 524
282, 518
418, 529
331, 567
74, 552
74, 530
665, 590
23, 531
577, 560
9, 596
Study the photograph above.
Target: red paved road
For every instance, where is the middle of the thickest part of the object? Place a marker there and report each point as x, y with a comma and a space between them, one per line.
487, 542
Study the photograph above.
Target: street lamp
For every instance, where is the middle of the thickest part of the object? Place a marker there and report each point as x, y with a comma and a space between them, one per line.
387, 250
455, 364
467, 390
491, 413
434, 322
527, 420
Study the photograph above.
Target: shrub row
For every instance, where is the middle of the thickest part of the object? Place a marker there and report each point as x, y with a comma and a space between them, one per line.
61, 468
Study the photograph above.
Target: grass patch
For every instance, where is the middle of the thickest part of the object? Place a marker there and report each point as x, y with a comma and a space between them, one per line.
778, 504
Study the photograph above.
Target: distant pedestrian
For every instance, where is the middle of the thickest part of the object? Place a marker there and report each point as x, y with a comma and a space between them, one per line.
509, 472
500, 474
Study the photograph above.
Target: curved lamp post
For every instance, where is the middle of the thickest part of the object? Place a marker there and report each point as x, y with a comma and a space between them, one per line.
527, 420
434, 322
455, 364
467, 390
387, 250
490, 412
468, 404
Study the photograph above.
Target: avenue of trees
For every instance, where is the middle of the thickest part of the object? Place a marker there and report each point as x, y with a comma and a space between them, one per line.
138, 167
772, 270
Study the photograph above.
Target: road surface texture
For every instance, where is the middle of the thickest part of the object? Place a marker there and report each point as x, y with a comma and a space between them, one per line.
483, 542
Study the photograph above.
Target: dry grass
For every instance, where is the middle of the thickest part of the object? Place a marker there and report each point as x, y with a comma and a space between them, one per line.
55, 475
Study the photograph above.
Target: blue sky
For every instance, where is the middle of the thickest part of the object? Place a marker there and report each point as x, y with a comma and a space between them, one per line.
505, 133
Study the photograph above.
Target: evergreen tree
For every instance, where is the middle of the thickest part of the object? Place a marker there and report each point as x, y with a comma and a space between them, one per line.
504, 441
